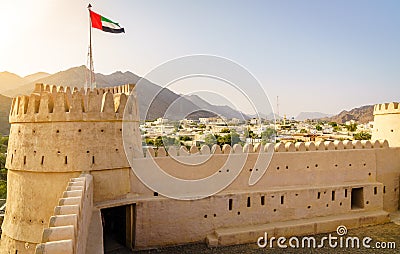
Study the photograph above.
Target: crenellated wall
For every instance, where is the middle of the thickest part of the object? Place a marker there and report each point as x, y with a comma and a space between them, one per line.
303, 181
387, 123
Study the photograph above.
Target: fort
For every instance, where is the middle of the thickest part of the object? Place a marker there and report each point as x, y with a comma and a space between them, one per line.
71, 187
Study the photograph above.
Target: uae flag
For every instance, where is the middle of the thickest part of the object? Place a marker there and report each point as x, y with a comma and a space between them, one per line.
105, 24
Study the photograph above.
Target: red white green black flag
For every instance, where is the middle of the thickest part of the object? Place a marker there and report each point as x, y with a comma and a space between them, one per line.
105, 24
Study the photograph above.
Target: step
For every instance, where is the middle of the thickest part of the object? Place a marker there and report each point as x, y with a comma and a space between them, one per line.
55, 247
212, 240
311, 226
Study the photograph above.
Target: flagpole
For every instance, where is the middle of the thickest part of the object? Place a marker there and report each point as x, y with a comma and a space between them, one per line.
92, 83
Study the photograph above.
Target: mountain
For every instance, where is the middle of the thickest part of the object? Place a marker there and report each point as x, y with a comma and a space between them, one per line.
36, 76
226, 111
154, 101
5, 105
12, 82
311, 115
71, 77
8, 80
362, 114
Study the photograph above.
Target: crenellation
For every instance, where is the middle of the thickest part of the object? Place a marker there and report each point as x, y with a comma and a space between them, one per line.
258, 148
51, 103
34, 103
226, 149
23, 105
172, 151
357, 144
320, 146
183, 151
61, 103
289, 147
366, 144
161, 152
329, 145
348, 144
280, 147
269, 148
237, 148
387, 108
194, 150
338, 145
300, 147
216, 149
205, 150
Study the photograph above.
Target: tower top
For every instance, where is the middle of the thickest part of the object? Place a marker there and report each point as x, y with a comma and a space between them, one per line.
387, 108
50, 103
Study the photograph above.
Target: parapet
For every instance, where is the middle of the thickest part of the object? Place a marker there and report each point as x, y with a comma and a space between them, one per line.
268, 148
57, 103
387, 108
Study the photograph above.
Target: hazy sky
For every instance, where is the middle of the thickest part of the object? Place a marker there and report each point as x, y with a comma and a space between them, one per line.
316, 55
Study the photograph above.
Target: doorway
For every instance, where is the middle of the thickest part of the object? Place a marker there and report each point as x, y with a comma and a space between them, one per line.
118, 228
357, 198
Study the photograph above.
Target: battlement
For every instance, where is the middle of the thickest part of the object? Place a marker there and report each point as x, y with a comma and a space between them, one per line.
50, 103
387, 108
268, 148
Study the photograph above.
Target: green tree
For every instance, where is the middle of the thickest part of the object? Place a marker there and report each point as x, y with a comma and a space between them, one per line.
185, 138
333, 124
303, 131
362, 136
149, 141
318, 127
336, 128
351, 127
225, 130
222, 140
268, 135
2, 160
165, 141
235, 138
210, 139
3, 189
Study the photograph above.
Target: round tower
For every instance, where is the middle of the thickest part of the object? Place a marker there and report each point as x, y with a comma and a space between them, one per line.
57, 134
387, 123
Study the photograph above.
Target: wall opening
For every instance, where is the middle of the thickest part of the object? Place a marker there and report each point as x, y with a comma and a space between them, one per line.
319, 195
345, 193
333, 195
42, 160
248, 202
262, 200
230, 204
282, 199
375, 190
357, 198
118, 228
